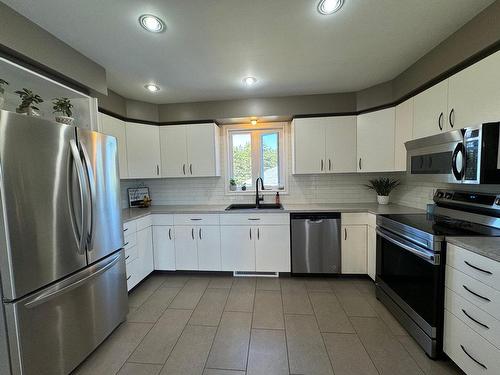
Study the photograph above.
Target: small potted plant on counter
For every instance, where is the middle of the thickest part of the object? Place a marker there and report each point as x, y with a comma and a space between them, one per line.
2, 91
383, 187
232, 184
244, 187
28, 99
62, 109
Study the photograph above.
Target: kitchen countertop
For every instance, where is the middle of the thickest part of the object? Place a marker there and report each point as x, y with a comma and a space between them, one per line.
488, 247
374, 208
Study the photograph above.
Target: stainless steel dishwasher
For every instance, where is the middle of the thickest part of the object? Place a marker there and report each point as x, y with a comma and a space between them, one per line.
315, 242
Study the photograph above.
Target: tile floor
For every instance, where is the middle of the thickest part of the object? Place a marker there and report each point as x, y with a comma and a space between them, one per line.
258, 326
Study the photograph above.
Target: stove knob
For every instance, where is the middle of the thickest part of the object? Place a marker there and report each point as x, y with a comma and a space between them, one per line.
439, 194
447, 196
497, 201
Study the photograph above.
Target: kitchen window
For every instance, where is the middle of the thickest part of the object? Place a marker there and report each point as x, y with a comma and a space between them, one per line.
255, 152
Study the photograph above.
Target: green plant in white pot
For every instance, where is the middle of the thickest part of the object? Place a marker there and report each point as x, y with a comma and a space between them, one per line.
383, 187
232, 184
28, 101
62, 109
2, 91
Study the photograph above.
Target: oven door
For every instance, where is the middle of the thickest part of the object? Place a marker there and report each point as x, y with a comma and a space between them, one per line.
413, 277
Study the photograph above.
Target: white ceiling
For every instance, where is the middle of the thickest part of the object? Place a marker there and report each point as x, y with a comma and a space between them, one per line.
210, 45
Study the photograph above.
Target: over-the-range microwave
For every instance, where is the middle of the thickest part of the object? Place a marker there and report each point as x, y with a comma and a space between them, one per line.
466, 156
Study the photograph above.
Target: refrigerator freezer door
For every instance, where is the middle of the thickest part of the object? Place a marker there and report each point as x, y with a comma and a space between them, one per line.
40, 205
54, 330
100, 156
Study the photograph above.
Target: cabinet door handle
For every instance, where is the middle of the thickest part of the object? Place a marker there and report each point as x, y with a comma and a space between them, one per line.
475, 320
474, 359
345, 234
321, 164
359, 163
192, 233
126, 229
157, 170
199, 233
476, 294
451, 117
170, 233
128, 256
191, 168
440, 121
477, 268
250, 233
125, 244
258, 233
254, 218
128, 278
329, 165
184, 169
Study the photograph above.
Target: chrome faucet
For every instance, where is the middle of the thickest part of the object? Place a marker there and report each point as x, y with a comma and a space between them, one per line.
258, 198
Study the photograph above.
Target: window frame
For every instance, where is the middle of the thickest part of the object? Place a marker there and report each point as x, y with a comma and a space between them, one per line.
256, 132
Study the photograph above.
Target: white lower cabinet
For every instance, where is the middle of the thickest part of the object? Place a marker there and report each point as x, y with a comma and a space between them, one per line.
164, 249
237, 248
145, 252
209, 248
372, 252
186, 251
138, 251
272, 249
354, 249
197, 248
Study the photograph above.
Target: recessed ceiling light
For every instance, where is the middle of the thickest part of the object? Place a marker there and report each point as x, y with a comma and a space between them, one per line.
151, 23
249, 81
253, 122
152, 87
327, 7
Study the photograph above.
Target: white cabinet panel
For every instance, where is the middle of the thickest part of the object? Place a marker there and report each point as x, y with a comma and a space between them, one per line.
255, 219
186, 252
354, 249
209, 257
133, 273
372, 252
173, 151
375, 141
196, 219
145, 252
403, 133
340, 135
430, 109
308, 145
143, 150
202, 143
272, 248
474, 93
116, 128
164, 249
237, 248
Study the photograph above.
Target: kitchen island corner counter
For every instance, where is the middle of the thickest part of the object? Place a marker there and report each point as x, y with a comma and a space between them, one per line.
488, 247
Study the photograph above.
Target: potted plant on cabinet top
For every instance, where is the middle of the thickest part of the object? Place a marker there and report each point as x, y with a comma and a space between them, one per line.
2, 91
383, 186
232, 184
62, 109
28, 98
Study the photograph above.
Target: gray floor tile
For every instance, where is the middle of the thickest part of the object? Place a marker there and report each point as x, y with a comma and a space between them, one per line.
268, 283
230, 347
356, 306
144, 290
155, 305
159, 342
267, 354
209, 371
113, 352
139, 369
210, 308
295, 297
389, 319
386, 352
345, 287
318, 285
329, 313
348, 356
191, 351
306, 350
221, 282
268, 310
242, 295
190, 294
366, 286
174, 281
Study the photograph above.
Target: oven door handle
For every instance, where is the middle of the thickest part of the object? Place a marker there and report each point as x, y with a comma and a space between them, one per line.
412, 248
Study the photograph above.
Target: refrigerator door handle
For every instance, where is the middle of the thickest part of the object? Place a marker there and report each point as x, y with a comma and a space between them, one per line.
70, 284
83, 195
91, 197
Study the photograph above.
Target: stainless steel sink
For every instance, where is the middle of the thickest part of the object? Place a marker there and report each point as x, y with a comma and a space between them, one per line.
253, 206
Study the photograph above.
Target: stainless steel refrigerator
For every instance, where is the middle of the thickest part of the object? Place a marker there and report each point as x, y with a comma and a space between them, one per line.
62, 266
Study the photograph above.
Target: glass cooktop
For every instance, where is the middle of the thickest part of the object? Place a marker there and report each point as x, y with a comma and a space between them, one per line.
444, 225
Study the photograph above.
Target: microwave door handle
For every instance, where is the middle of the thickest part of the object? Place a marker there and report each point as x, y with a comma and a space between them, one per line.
414, 249
83, 191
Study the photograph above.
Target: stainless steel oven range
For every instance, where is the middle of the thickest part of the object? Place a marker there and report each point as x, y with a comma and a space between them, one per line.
411, 255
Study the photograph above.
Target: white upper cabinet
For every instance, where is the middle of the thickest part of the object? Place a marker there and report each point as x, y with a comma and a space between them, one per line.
116, 128
190, 150
143, 150
403, 133
474, 94
375, 141
430, 109
324, 145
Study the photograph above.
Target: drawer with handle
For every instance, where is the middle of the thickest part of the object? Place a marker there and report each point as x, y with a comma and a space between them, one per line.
196, 219
133, 277
130, 240
131, 254
255, 219
474, 291
471, 352
478, 320
163, 219
481, 268
144, 222
129, 227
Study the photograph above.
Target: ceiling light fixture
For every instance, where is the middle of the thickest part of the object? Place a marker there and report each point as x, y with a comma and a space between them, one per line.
152, 87
253, 122
152, 23
327, 7
249, 81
